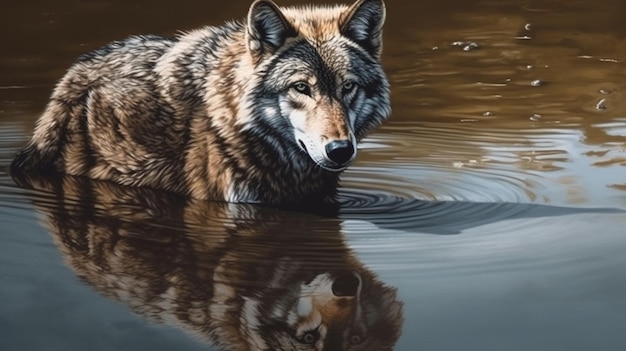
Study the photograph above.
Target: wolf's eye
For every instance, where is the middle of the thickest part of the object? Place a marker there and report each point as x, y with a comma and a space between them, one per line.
310, 337
302, 88
348, 86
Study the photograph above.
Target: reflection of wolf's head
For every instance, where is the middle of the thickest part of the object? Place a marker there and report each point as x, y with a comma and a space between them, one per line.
318, 75
242, 277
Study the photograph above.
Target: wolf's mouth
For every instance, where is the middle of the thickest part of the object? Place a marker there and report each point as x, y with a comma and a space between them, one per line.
302, 145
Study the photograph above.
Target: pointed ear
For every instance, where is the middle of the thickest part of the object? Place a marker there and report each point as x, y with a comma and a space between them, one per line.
363, 24
267, 28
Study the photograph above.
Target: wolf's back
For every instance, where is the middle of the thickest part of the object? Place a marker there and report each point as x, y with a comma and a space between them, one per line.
64, 120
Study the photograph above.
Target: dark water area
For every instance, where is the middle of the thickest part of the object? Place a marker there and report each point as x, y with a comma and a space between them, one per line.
488, 213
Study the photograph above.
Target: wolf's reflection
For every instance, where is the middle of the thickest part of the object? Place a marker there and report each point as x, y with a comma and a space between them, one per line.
242, 277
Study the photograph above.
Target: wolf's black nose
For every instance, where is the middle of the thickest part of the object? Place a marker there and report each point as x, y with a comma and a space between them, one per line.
346, 285
340, 151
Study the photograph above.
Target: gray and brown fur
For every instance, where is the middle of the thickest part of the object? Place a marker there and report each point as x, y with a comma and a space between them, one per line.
242, 113
242, 277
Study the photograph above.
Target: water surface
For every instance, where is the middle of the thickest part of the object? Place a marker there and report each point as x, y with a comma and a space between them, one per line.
492, 201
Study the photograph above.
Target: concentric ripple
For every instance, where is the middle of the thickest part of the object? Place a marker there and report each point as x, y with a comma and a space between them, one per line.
389, 211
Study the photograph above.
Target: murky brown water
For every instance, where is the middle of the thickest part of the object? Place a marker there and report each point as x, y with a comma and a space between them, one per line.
492, 200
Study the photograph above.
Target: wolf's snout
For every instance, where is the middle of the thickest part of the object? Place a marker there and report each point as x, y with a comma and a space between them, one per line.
340, 151
346, 285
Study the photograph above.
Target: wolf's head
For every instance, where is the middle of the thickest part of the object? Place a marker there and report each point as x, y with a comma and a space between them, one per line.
318, 79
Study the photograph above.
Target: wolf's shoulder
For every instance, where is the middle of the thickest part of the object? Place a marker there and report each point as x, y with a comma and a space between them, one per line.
210, 40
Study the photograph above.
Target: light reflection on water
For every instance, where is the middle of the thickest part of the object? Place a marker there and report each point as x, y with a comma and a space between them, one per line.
492, 202
454, 161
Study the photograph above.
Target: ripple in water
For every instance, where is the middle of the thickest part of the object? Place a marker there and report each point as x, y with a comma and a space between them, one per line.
371, 196
388, 211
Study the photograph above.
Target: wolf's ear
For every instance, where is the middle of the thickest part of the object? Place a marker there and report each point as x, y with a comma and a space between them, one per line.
363, 24
267, 28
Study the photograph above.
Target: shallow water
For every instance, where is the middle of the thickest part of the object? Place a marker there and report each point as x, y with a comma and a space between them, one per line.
493, 200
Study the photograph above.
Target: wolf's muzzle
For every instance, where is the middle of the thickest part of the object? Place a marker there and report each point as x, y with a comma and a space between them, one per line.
340, 151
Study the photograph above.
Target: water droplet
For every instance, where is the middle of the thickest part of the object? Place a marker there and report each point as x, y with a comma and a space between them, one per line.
527, 26
488, 114
609, 60
535, 117
466, 45
471, 46
538, 83
601, 105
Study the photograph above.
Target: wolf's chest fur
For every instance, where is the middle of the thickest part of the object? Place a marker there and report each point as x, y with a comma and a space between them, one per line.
265, 110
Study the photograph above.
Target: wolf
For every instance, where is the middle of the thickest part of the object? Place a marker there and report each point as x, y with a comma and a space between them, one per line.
238, 276
265, 110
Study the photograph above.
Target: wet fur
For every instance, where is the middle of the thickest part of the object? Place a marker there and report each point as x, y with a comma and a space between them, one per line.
210, 114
